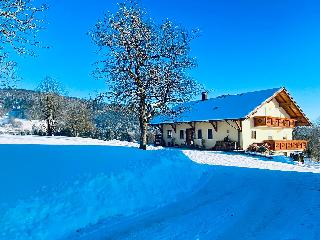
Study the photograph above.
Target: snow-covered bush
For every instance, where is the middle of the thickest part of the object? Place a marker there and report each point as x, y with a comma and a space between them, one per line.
39, 129
15, 123
259, 148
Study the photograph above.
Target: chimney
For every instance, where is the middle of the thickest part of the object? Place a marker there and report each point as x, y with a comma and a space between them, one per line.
204, 96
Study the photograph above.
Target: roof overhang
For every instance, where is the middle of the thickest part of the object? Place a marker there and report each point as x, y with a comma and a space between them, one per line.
286, 101
197, 121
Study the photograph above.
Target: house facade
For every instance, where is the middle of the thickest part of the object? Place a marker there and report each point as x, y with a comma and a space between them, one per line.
236, 121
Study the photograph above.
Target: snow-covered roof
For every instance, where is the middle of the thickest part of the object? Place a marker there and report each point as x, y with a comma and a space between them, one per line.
220, 108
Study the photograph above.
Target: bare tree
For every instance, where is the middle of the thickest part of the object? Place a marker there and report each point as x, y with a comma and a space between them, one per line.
50, 102
8, 75
79, 119
145, 64
20, 22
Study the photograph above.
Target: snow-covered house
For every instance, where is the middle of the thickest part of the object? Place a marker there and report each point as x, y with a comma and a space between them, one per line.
236, 121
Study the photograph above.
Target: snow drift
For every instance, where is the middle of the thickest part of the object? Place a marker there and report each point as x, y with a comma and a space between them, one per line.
50, 191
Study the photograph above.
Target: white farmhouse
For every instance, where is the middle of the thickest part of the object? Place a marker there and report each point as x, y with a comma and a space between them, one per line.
236, 121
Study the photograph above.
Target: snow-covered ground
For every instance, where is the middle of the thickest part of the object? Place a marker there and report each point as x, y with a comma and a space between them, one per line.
279, 163
18, 126
74, 188
61, 140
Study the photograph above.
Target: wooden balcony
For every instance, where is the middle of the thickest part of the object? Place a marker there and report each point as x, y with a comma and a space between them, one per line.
287, 145
266, 121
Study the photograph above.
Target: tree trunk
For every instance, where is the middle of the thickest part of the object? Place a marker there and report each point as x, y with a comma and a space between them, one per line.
143, 124
49, 115
143, 135
49, 128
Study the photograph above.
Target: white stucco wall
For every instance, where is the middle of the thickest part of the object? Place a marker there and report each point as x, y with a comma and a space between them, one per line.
175, 135
272, 109
264, 133
224, 130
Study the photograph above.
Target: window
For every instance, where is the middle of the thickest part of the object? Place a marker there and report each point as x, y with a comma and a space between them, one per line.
254, 134
210, 135
169, 133
199, 134
181, 134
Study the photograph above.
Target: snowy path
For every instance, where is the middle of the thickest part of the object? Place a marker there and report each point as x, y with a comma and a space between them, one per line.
234, 204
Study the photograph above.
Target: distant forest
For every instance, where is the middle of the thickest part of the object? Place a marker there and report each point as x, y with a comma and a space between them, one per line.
72, 116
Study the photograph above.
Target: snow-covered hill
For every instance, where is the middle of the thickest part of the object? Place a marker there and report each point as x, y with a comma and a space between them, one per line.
74, 188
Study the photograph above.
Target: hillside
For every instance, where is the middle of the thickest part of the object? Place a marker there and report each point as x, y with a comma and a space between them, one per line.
17, 101
21, 112
112, 190
21, 103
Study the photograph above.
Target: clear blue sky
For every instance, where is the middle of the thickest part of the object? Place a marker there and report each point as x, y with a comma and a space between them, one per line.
245, 45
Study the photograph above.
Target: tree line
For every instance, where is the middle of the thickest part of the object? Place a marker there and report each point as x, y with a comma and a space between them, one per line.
68, 116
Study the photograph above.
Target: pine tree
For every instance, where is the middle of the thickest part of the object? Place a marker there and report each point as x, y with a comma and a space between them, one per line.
144, 64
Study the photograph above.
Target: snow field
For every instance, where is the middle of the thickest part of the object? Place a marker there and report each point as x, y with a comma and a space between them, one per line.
60, 188
52, 191
66, 141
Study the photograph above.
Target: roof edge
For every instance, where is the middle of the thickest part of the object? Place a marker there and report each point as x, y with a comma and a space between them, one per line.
273, 96
265, 101
299, 108
207, 121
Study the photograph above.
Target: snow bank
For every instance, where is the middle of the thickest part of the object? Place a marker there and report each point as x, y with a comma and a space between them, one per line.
52, 191
278, 163
61, 140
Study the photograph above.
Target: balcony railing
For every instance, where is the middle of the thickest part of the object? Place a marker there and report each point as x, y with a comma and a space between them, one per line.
283, 145
265, 121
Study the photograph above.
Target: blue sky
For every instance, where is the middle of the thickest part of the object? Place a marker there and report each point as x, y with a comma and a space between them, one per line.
244, 45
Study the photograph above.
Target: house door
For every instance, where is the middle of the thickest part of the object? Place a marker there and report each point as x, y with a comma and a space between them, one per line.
189, 136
